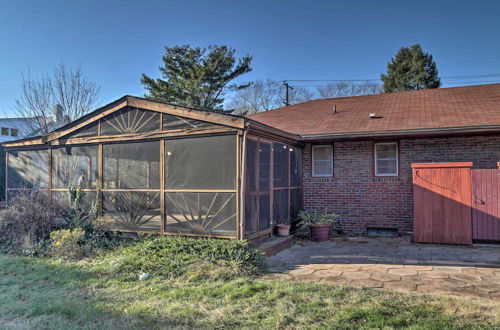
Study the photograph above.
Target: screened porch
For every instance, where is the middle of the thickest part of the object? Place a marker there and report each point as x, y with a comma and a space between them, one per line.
157, 168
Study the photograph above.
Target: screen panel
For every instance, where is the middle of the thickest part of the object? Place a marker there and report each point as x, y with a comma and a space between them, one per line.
296, 202
130, 120
251, 215
69, 164
251, 165
280, 162
264, 166
132, 210
132, 165
201, 213
264, 212
296, 167
280, 206
171, 122
87, 131
28, 169
62, 198
198, 163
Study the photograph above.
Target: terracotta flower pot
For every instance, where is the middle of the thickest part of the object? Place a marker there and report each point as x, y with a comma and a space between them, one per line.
283, 230
320, 233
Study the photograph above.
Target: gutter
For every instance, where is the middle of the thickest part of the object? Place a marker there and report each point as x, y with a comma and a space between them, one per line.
425, 132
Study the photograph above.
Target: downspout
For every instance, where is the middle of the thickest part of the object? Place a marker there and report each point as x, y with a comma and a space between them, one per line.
242, 185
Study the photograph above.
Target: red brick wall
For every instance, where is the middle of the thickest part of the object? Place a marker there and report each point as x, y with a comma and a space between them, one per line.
364, 200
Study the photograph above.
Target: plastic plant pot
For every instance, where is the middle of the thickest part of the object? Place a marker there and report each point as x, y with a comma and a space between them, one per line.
320, 233
283, 230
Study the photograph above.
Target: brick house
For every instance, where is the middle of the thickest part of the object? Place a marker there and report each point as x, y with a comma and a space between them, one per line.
174, 170
358, 151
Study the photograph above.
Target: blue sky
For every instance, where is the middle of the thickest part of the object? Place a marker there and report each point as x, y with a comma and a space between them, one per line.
116, 41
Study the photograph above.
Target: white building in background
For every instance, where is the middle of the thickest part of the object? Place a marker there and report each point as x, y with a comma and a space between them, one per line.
21, 128
15, 128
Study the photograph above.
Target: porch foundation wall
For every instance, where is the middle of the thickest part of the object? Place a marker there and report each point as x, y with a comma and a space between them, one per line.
364, 200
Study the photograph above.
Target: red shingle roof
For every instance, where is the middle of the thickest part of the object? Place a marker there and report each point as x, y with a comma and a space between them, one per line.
471, 106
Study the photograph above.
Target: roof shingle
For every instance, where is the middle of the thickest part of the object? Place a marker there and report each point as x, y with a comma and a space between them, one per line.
470, 106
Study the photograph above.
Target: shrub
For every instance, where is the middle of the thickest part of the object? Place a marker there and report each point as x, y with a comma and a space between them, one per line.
190, 258
68, 244
28, 220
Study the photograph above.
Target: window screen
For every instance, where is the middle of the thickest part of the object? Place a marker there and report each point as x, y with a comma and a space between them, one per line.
132, 165
207, 162
322, 157
62, 198
280, 206
386, 159
251, 165
264, 211
89, 130
264, 166
296, 167
28, 169
296, 202
130, 120
69, 164
251, 213
171, 122
132, 210
280, 162
201, 213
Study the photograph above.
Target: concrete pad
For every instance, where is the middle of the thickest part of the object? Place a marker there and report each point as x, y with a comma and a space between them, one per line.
385, 277
367, 283
347, 268
400, 285
319, 266
327, 272
356, 275
433, 274
433, 288
447, 269
402, 271
415, 279
466, 277
418, 267
301, 271
375, 268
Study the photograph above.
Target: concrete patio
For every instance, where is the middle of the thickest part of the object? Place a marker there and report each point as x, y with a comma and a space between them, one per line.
393, 264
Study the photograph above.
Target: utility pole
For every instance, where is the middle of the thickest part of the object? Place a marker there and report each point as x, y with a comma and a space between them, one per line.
287, 87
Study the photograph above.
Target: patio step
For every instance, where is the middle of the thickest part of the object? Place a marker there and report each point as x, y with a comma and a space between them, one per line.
274, 245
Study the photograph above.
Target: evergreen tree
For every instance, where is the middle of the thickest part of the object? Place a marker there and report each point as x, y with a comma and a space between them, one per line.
411, 69
196, 77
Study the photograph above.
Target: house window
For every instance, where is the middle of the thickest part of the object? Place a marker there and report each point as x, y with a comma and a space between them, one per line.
5, 131
386, 159
14, 132
322, 161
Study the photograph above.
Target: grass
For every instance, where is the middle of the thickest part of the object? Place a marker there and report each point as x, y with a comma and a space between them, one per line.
48, 294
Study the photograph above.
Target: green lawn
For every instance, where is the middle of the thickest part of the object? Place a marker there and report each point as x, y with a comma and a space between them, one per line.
42, 293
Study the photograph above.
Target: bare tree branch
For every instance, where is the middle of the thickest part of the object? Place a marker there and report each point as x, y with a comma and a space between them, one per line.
344, 89
67, 87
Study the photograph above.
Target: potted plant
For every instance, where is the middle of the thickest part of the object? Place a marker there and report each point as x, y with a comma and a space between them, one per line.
283, 229
319, 224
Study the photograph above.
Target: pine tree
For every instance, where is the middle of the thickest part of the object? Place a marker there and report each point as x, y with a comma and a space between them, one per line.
411, 69
196, 77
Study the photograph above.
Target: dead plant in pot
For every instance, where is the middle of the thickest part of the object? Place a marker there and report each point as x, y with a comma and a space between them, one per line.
319, 223
283, 229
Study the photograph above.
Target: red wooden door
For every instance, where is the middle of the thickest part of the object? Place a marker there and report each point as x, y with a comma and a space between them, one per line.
485, 200
442, 203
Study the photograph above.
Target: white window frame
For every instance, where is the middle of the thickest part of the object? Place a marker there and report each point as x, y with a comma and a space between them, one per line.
313, 161
375, 158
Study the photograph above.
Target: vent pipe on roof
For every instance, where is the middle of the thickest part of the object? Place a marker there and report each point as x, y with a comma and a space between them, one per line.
373, 115
334, 108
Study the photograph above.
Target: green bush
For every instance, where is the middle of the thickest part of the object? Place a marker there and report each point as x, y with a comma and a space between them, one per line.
68, 244
182, 257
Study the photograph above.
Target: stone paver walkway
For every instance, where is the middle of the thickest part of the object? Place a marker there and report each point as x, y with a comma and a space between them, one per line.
394, 264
